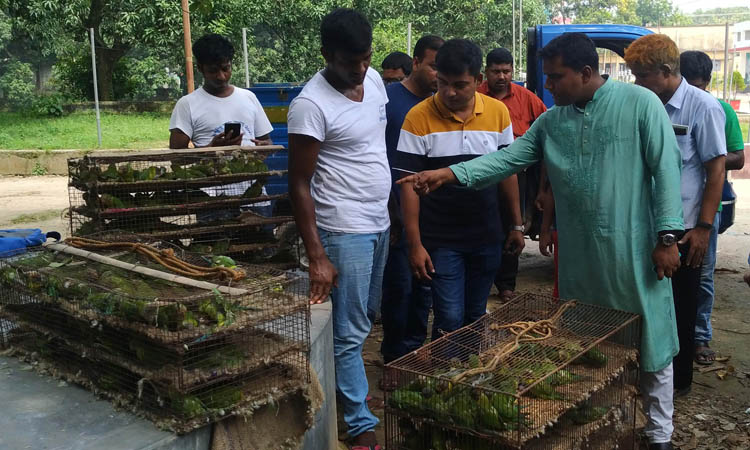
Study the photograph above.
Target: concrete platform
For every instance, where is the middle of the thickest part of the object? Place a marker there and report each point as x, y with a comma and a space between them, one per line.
40, 412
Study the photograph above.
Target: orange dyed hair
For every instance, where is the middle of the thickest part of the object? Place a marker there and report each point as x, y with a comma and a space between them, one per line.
652, 51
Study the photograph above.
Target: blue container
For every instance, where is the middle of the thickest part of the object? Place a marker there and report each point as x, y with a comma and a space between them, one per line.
275, 98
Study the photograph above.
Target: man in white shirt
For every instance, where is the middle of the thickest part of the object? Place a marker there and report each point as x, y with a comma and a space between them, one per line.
339, 182
200, 116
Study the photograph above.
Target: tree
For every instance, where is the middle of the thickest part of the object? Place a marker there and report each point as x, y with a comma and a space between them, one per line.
738, 83
119, 26
721, 15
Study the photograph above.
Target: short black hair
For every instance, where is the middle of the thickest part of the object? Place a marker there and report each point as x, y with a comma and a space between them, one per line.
397, 60
428, 42
695, 64
458, 56
347, 30
576, 50
213, 49
499, 56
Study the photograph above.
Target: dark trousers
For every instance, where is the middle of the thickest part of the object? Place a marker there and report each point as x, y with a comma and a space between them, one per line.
505, 280
405, 306
685, 285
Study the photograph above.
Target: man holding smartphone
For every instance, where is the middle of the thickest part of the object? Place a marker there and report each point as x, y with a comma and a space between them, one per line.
209, 116
219, 114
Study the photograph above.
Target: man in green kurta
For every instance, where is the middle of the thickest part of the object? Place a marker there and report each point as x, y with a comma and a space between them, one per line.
614, 166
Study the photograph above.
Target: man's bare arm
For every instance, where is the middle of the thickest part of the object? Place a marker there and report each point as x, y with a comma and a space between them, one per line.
178, 139
735, 160
511, 199
698, 237
419, 259
263, 140
303, 159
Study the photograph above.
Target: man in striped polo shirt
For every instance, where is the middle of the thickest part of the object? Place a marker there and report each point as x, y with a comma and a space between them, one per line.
455, 235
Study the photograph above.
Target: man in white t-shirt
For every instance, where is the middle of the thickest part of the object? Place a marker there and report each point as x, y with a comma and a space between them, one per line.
200, 116
339, 182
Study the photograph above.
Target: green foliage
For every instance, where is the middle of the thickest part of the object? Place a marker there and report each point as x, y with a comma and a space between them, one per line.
147, 78
48, 104
39, 169
78, 130
721, 15
17, 85
738, 82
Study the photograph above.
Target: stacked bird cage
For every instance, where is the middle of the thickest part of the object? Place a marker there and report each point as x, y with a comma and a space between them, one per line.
534, 374
210, 200
183, 338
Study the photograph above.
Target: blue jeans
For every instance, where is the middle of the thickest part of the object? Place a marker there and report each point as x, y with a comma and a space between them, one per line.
360, 261
461, 285
405, 306
703, 332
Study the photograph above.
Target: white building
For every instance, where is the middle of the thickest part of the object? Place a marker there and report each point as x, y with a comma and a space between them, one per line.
741, 49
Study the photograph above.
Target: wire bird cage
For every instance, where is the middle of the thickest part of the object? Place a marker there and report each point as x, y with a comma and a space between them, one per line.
182, 350
534, 374
207, 200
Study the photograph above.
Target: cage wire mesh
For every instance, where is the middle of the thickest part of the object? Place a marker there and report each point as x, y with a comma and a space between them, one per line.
207, 200
533, 374
180, 353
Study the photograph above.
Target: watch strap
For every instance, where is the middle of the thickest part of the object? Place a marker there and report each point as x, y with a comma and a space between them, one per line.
704, 225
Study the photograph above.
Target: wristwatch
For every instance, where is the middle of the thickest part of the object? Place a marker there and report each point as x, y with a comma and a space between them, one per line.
517, 228
704, 225
667, 239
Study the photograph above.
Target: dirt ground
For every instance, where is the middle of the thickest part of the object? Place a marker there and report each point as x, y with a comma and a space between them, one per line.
716, 415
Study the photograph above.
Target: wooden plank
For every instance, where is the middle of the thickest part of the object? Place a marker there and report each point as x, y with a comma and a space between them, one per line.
106, 157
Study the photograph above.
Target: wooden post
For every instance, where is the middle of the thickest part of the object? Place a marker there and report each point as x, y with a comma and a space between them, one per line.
188, 46
726, 58
96, 87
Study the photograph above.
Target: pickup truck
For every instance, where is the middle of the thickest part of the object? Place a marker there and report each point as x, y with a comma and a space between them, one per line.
275, 98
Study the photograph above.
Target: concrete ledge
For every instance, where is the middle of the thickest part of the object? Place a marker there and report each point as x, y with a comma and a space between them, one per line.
55, 162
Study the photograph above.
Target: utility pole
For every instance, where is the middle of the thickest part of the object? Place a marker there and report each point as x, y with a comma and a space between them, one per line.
96, 88
188, 46
513, 39
408, 39
726, 57
520, 37
244, 53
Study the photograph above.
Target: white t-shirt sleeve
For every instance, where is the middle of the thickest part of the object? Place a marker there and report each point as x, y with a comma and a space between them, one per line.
305, 117
181, 118
262, 125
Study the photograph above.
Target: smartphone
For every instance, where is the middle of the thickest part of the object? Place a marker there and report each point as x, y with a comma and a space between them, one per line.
679, 130
231, 130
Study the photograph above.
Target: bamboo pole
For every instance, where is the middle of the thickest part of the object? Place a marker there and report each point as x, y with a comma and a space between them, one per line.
188, 46
144, 270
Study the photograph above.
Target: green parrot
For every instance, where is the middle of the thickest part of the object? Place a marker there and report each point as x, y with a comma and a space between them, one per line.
594, 357
564, 376
254, 191
545, 390
110, 174
488, 414
222, 397
188, 406
126, 174
585, 413
108, 201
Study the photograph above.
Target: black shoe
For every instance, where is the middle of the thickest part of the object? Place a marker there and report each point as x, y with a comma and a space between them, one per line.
682, 392
660, 446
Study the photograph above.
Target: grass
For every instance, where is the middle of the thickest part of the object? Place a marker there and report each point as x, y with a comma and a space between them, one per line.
78, 131
745, 126
36, 217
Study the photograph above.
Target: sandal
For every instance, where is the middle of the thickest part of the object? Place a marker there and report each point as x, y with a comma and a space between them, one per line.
704, 355
373, 446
